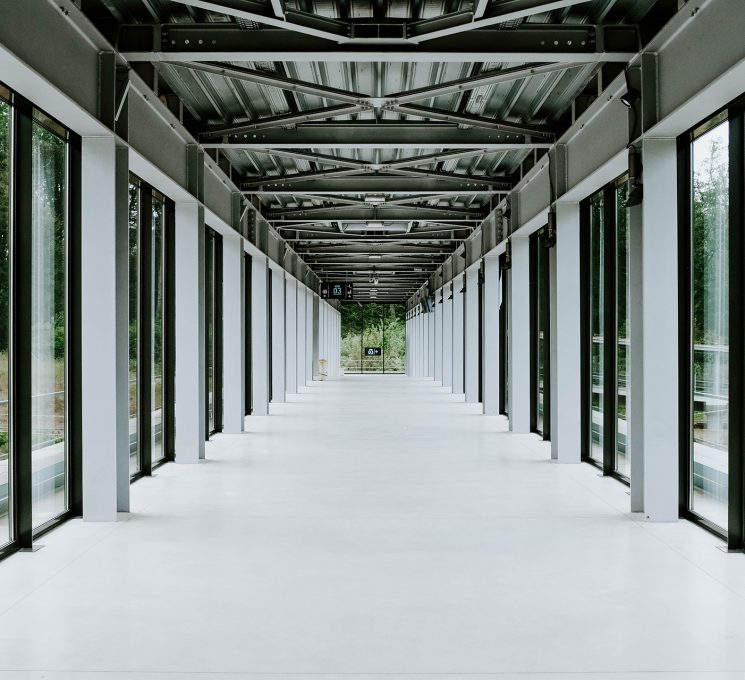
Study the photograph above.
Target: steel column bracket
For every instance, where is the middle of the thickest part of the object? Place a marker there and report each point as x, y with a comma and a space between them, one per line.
557, 168
195, 171
113, 90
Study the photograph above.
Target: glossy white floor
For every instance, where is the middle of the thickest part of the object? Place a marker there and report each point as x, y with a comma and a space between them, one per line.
375, 527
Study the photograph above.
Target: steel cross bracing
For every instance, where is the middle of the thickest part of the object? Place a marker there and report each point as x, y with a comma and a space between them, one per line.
379, 141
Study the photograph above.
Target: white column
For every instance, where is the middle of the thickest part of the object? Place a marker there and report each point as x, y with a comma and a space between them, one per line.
425, 345
635, 359
122, 329
439, 307
316, 334
290, 335
278, 335
323, 331
660, 328
407, 333
458, 339
259, 336
566, 392
519, 308
491, 368
190, 347
431, 349
100, 262
234, 333
301, 333
447, 338
309, 336
471, 349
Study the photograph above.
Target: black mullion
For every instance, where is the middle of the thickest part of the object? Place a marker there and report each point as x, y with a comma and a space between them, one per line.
610, 332
247, 330
533, 310
145, 346
585, 331
736, 476
73, 331
209, 281
169, 332
21, 356
481, 332
545, 323
217, 334
685, 333
503, 338
269, 334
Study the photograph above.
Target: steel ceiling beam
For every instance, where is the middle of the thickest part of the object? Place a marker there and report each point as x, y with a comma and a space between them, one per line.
333, 237
509, 10
254, 10
302, 176
273, 80
284, 119
371, 184
372, 135
485, 79
352, 214
299, 154
471, 119
530, 42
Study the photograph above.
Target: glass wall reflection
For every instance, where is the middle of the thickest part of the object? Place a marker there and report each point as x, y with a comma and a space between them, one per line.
710, 314
134, 315
48, 326
158, 233
597, 321
5, 476
623, 322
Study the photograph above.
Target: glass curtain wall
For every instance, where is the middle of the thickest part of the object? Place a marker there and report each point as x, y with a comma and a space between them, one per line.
151, 419
213, 329
135, 463
48, 319
597, 325
540, 310
504, 336
709, 351
6, 534
606, 321
248, 358
157, 450
39, 344
373, 326
623, 323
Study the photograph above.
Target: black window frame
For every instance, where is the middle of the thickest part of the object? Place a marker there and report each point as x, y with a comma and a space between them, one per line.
23, 115
145, 328
540, 315
610, 329
734, 535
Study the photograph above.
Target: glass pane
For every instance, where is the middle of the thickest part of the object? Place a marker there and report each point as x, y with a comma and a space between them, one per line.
372, 336
541, 330
134, 291
623, 307
5, 488
157, 301
597, 320
710, 294
394, 337
351, 338
49, 222
210, 328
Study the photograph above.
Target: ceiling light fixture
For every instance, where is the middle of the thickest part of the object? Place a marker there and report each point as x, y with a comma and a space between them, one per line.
375, 199
375, 225
375, 256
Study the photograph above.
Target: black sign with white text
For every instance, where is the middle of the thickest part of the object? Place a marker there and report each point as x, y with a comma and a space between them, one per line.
373, 351
337, 290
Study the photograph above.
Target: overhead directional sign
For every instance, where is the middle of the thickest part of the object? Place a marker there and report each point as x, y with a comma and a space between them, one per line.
337, 290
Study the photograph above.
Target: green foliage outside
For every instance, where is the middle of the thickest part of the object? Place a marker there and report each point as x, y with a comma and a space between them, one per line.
373, 325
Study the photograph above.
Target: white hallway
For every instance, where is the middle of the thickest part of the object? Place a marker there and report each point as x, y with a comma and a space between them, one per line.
374, 527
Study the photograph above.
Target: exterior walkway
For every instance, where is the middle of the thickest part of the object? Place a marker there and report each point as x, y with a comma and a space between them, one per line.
375, 527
